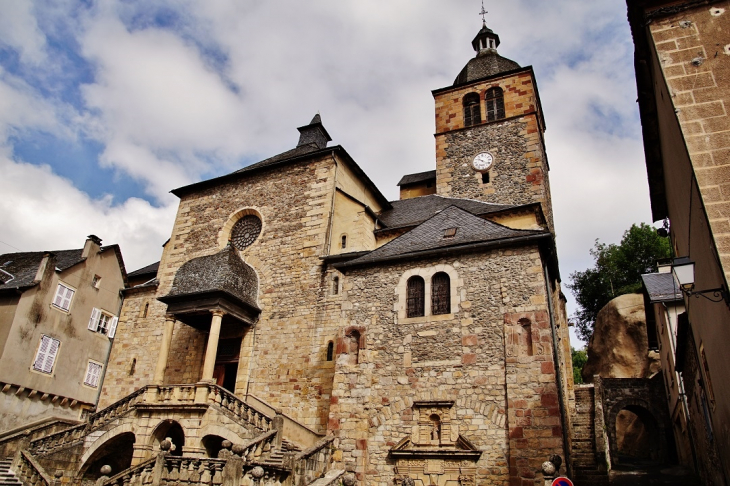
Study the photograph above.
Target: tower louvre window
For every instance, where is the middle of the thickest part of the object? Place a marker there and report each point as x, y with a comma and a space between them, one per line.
495, 104
415, 291
472, 112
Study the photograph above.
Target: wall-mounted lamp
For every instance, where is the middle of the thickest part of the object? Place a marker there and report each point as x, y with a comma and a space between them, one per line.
683, 270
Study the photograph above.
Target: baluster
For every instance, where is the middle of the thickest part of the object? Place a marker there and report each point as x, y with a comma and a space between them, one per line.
147, 474
194, 474
184, 474
218, 477
205, 476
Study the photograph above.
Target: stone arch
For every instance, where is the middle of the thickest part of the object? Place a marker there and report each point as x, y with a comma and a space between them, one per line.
225, 231
168, 428
213, 430
115, 447
657, 430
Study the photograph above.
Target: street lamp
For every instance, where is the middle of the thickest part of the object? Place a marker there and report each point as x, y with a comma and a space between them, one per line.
683, 270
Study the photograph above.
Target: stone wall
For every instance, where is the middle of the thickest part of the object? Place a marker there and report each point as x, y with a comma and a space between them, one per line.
459, 357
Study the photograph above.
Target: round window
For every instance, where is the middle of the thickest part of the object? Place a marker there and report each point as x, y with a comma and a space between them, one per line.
245, 231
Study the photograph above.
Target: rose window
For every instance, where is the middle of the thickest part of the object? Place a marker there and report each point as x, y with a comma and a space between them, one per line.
245, 231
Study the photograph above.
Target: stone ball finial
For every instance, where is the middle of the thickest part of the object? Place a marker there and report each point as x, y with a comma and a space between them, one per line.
348, 479
105, 470
548, 468
257, 472
59, 473
238, 449
165, 445
557, 461
408, 481
226, 444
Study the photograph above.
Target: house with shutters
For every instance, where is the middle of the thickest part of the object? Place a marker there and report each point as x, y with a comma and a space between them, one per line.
58, 317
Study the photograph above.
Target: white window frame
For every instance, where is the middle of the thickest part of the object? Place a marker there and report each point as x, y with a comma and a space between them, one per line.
103, 322
93, 374
63, 298
45, 357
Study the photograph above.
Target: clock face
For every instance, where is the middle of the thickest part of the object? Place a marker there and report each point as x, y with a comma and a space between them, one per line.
482, 161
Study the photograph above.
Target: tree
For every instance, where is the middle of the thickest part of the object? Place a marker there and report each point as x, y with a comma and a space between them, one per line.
579, 360
617, 271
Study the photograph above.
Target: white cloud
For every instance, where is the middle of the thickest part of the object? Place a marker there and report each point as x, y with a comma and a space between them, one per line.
19, 30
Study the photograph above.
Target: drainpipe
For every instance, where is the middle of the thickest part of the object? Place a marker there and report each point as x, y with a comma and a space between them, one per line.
558, 374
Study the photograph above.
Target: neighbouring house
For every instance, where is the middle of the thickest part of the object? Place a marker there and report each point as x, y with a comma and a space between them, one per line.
58, 317
682, 61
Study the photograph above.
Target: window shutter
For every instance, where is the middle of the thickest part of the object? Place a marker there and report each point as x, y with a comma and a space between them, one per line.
97, 374
51, 355
93, 372
89, 373
67, 299
113, 327
40, 357
94, 320
58, 300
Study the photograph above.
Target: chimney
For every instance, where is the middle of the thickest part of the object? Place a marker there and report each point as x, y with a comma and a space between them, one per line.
47, 257
93, 243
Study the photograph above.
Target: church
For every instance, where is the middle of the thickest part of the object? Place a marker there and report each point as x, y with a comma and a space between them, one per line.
300, 328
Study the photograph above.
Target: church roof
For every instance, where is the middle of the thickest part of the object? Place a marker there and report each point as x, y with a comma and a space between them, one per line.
409, 212
419, 177
435, 236
486, 63
222, 272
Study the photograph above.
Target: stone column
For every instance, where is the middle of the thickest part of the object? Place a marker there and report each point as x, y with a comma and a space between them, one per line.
212, 350
164, 350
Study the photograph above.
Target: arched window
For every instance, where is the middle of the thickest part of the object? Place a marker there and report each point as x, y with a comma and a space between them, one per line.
343, 243
440, 294
415, 297
472, 111
330, 351
335, 285
495, 104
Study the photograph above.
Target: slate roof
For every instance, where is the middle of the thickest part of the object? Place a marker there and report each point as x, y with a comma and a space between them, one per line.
150, 269
429, 236
419, 177
486, 63
409, 212
221, 272
661, 287
24, 266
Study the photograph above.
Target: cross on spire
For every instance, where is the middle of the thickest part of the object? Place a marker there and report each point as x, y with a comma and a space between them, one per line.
483, 13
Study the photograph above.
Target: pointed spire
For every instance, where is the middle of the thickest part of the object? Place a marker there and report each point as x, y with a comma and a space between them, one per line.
314, 133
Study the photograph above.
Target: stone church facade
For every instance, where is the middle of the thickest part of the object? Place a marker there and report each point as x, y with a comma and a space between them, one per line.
303, 328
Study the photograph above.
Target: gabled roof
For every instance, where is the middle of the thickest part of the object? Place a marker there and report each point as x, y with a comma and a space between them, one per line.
19, 269
661, 287
409, 212
150, 269
430, 237
419, 177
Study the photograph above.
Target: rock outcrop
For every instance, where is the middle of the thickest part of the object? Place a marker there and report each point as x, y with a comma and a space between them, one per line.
619, 346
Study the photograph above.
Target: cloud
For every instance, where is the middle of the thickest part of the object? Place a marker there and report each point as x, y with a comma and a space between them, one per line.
19, 30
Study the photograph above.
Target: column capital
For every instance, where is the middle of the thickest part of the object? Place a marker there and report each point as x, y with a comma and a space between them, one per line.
218, 313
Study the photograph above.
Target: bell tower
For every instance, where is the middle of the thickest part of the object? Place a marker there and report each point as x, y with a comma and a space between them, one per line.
489, 132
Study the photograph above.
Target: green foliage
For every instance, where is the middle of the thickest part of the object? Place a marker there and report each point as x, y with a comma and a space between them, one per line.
579, 360
617, 271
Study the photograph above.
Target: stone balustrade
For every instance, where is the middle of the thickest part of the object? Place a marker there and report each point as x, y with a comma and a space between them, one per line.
242, 410
30, 472
58, 440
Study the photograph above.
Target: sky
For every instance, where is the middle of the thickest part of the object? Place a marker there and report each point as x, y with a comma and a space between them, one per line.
107, 105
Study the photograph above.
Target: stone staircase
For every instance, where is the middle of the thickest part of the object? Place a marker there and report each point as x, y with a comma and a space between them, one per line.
276, 457
585, 467
7, 477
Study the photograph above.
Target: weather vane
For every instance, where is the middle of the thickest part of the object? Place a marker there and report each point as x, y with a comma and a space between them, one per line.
483, 13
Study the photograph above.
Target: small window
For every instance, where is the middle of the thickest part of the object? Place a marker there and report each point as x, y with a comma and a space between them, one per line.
330, 351
63, 297
102, 322
145, 309
93, 373
706, 372
343, 242
45, 358
95, 282
495, 104
450, 232
335, 285
415, 290
440, 294
485, 177
472, 111
525, 338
